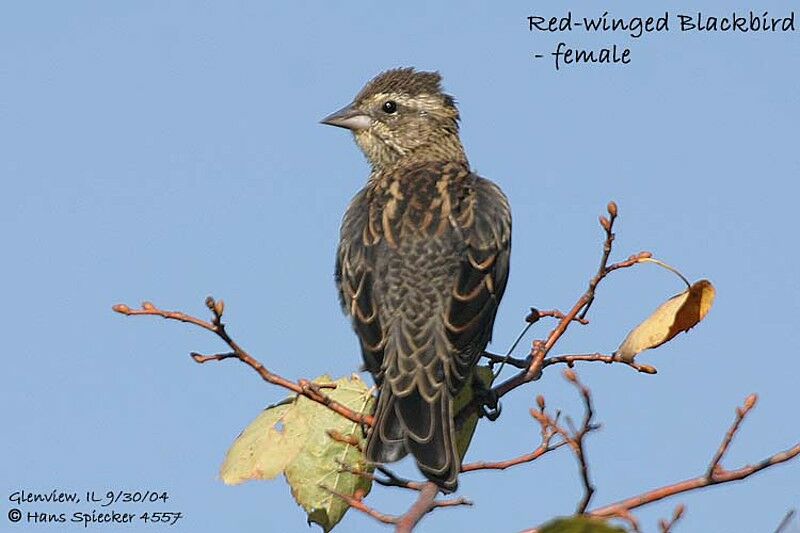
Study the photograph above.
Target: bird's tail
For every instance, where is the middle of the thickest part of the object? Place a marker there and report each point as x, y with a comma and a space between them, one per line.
413, 424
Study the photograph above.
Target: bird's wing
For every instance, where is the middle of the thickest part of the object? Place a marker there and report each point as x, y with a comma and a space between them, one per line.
354, 279
484, 222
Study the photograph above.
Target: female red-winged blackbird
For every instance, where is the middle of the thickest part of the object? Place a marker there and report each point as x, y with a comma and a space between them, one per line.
421, 266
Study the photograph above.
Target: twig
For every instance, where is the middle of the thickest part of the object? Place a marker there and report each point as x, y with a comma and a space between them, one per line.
426, 502
666, 525
350, 440
787, 518
508, 463
536, 314
570, 361
540, 349
391, 479
608, 226
741, 412
357, 503
548, 431
715, 475
201, 358
632, 521
576, 440
305, 388
423, 505
511, 361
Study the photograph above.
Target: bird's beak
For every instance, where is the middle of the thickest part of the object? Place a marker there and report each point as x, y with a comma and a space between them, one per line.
348, 117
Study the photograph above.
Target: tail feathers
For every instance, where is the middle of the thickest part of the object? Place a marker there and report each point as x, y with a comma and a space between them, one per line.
410, 424
431, 439
385, 443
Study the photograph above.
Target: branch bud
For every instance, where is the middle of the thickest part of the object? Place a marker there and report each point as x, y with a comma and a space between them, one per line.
679, 510
570, 376
605, 223
210, 302
147, 306
647, 369
540, 402
612, 208
219, 307
121, 308
750, 402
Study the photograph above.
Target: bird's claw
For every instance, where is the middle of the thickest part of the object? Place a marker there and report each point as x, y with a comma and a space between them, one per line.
491, 413
490, 407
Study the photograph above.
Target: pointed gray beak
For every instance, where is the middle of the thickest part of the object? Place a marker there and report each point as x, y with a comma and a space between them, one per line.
348, 117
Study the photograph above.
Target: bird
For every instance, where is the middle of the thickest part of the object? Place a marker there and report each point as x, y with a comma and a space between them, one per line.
421, 266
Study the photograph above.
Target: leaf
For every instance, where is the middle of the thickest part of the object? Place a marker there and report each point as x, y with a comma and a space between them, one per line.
293, 437
579, 524
466, 430
265, 447
319, 467
678, 314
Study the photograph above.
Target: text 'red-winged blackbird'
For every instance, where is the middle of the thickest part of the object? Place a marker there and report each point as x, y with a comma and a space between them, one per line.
421, 266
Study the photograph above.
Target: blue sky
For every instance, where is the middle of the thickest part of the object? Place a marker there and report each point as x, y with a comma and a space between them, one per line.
167, 151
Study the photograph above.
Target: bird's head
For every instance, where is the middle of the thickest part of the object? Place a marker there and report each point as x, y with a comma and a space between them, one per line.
401, 114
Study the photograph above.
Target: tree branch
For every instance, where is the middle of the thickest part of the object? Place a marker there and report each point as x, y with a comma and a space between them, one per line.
787, 518
540, 349
305, 388
570, 361
666, 525
426, 502
547, 431
715, 474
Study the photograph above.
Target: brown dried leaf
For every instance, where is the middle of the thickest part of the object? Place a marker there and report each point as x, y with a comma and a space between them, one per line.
678, 314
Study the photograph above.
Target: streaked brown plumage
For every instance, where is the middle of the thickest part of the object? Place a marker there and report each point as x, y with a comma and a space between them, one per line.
421, 266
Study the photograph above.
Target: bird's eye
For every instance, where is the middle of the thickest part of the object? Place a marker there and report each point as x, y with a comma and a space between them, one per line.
389, 106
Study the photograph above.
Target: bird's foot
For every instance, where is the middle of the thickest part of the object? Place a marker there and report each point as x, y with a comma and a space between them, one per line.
490, 407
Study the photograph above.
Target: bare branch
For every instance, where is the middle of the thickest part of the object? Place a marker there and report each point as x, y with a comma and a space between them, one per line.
508, 463
305, 388
390, 479
666, 525
608, 225
570, 361
787, 518
576, 440
201, 358
547, 432
715, 476
425, 503
537, 314
357, 503
741, 412
540, 349
508, 360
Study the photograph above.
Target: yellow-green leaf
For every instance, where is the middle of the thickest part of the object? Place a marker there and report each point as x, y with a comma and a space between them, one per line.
265, 447
466, 429
293, 437
680, 313
579, 524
